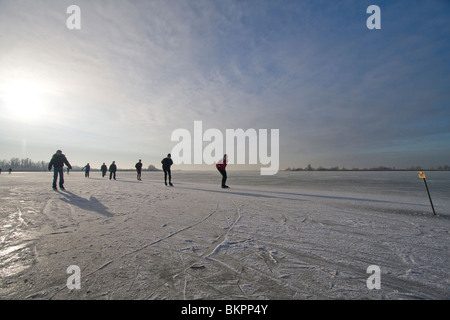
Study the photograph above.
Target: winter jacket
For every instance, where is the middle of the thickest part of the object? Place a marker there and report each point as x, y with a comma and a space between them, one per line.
166, 163
58, 161
138, 166
221, 164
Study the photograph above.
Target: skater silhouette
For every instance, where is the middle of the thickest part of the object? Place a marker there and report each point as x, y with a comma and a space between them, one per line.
166, 164
221, 165
138, 167
86, 169
103, 168
57, 162
112, 170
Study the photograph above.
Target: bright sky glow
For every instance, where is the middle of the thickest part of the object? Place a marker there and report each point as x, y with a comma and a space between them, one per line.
23, 101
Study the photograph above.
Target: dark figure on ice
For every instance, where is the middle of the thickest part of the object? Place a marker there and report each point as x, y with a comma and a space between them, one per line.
221, 165
103, 168
57, 162
138, 167
166, 163
112, 170
86, 169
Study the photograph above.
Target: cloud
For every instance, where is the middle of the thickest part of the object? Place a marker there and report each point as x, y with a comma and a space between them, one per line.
137, 70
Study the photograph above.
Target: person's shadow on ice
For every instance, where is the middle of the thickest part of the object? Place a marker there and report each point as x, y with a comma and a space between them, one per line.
91, 204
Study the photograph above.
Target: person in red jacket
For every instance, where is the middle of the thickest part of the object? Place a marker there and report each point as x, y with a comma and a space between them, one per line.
221, 165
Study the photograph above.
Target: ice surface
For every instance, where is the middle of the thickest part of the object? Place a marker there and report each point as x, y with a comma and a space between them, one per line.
142, 240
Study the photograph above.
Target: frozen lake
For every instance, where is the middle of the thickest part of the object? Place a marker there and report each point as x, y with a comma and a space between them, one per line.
296, 235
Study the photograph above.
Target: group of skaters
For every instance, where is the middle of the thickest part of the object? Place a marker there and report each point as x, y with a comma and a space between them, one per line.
59, 160
103, 169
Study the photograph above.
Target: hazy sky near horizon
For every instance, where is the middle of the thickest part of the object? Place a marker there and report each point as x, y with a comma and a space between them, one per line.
116, 89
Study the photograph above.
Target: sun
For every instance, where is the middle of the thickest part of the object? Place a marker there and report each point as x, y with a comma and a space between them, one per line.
23, 101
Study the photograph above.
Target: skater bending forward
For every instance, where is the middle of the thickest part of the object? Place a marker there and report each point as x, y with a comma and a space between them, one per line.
221, 165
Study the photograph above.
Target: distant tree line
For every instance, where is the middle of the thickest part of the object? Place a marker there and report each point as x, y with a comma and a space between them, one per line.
23, 165
379, 168
27, 164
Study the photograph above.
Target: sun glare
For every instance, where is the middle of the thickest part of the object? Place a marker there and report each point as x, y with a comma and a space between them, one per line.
23, 101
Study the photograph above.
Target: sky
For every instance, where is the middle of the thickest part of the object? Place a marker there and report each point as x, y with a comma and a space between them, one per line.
339, 93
